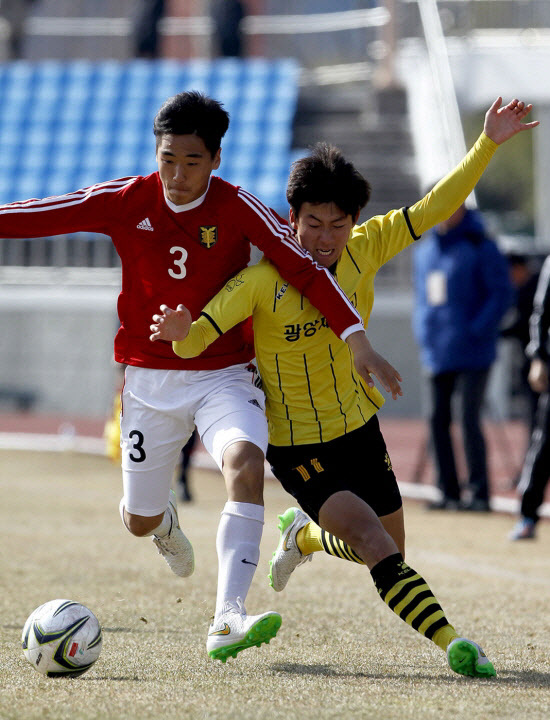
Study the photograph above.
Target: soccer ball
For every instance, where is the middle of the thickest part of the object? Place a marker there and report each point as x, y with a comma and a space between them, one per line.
62, 638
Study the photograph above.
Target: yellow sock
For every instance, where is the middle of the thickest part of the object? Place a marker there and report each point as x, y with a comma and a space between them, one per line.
409, 596
444, 636
311, 538
308, 539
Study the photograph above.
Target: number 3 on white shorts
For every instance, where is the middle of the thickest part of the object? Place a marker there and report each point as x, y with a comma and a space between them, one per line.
138, 455
181, 272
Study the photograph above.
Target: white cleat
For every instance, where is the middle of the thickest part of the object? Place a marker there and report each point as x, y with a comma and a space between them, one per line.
234, 631
287, 557
175, 547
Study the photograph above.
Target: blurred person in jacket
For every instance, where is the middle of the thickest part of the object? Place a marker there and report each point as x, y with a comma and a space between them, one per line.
536, 468
462, 290
524, 275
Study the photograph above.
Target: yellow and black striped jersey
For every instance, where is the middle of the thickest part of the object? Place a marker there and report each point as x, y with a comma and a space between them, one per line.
313, 393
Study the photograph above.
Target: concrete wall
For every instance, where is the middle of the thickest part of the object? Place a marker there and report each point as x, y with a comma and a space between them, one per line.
57, 343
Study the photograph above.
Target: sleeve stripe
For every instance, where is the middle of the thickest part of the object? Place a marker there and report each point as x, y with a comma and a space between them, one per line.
408, 221
342, 294
262, 209
283, 232
58, 202
271, 220
211, 321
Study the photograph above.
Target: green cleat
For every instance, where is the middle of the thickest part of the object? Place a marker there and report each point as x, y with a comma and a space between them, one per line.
234, 631
287, 556
467, 658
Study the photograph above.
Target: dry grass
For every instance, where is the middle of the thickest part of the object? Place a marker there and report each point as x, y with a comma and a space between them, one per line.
340, 652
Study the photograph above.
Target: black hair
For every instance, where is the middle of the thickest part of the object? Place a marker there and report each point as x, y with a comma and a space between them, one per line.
193, 113
325, 176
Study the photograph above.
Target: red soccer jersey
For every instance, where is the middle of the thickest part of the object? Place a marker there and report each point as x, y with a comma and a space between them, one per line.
176, 257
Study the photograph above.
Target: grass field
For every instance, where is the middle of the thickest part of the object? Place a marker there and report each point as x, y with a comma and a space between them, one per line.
340, 653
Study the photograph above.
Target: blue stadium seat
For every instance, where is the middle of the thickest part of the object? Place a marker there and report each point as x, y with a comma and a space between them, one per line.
66, 125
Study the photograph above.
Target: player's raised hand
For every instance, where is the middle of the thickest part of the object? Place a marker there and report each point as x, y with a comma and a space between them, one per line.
502, 123
367, 361
171, 325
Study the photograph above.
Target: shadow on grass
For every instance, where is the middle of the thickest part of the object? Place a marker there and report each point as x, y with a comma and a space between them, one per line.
137, 630
331, 672
325, 670
111, 678
146, 627
523, 678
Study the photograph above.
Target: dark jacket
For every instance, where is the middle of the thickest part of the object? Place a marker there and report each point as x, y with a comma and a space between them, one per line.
539, 322
462, 290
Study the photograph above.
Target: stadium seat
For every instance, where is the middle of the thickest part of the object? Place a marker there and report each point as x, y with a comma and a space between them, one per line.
66, 125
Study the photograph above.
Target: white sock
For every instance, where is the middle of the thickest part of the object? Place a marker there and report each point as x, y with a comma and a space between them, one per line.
165, 524
238, 547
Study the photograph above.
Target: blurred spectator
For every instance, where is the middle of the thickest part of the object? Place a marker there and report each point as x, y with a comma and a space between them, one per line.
462, 291
111, 430
146, 35
15, 13
184, 491
524, 276
227, 16
536, 469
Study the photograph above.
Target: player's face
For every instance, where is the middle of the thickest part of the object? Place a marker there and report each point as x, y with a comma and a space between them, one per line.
323, 230
185, 165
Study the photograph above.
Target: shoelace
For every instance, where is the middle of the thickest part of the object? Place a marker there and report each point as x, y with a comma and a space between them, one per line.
163, 547
240, 606
236, 606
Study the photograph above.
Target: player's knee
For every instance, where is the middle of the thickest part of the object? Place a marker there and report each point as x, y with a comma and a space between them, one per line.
243, 470
140, 525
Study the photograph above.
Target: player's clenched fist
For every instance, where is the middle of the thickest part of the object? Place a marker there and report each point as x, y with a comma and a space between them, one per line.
171, 325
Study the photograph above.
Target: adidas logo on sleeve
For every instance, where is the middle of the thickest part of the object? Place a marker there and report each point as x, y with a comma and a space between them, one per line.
145, 225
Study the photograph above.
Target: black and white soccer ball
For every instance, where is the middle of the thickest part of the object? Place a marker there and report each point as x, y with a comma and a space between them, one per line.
62, 638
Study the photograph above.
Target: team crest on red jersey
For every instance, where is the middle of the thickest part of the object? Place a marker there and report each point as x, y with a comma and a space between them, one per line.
208, 235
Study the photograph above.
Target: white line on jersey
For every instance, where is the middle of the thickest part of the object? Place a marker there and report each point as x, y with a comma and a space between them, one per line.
274, 224
60, 202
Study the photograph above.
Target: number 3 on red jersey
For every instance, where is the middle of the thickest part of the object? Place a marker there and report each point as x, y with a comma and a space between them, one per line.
180, 273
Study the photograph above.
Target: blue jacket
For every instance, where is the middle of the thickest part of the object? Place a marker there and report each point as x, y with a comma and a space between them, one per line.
462, 290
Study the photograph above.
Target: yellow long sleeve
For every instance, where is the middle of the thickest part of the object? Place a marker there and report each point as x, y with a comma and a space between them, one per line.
450, 192
201, 334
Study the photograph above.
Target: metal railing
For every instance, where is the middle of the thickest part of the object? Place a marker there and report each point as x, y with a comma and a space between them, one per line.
204, 25
81, 250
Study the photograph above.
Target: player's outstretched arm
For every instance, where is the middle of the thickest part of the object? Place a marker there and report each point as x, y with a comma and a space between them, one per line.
171, 325
502, 123
367, 361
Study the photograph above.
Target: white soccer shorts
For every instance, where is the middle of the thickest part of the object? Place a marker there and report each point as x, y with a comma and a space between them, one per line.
160, 408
